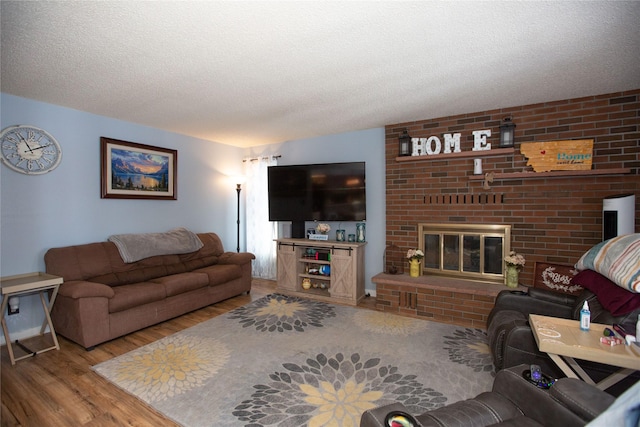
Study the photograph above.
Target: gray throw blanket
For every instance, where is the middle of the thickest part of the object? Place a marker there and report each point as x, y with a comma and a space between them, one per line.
134, 247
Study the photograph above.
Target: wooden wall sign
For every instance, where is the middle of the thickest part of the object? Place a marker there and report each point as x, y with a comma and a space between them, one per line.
555, 277
558, 155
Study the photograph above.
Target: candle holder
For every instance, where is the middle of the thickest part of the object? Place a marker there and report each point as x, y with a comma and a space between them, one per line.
404, 141
507, 131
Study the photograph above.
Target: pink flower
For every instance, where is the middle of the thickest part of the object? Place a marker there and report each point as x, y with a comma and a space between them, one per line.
514, 260
415, 254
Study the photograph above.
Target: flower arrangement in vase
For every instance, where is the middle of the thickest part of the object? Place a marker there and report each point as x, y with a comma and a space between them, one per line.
414, 256
514, 262
323, 228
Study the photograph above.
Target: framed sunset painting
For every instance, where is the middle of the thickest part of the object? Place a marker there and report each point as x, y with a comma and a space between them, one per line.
137, 171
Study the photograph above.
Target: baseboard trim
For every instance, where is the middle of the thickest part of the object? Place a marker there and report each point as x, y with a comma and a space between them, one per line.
22, 335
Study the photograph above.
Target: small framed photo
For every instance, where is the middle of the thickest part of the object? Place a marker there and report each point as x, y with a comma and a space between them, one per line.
137, 171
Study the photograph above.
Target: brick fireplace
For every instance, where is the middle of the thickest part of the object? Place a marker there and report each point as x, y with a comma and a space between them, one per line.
553, 218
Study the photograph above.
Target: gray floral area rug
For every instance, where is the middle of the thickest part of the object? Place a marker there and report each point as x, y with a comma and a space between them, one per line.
291, 362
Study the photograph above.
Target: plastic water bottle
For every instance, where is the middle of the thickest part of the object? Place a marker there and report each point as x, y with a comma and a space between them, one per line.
585, 317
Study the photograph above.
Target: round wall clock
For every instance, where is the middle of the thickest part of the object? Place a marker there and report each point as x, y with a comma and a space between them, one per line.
29, 150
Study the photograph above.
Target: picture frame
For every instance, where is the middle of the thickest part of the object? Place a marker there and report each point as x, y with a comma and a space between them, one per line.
555, 277
129, 170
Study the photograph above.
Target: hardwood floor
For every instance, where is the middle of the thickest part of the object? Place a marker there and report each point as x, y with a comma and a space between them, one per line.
58, 388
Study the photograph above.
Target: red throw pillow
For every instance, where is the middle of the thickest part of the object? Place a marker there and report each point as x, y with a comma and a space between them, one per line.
613, 298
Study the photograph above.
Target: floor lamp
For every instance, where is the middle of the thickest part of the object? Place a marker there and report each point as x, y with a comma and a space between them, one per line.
238, 189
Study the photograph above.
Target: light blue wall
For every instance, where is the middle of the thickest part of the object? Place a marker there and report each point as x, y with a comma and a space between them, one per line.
360, 146
64, 207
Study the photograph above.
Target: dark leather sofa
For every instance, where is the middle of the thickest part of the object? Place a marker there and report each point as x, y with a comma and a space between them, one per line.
512, 342
513, 401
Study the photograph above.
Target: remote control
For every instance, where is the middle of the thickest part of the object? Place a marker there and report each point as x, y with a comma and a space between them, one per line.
536, 374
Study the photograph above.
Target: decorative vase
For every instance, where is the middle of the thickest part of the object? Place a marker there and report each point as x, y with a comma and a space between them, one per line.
306, 283
360, 237
512, 276
414, 269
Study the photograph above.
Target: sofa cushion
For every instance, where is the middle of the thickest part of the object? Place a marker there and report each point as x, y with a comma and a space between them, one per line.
137, 294
618, 259
613, 298
221, 273
101, 262
79, 262
183, 282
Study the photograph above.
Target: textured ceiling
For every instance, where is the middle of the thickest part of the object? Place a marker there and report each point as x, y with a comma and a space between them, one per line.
253, 73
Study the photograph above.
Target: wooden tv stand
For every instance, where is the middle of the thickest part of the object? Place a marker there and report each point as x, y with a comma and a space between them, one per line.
297, 261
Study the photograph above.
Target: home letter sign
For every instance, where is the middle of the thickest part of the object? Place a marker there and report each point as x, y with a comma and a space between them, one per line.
451, 141
480, 140
430, 141
433, 146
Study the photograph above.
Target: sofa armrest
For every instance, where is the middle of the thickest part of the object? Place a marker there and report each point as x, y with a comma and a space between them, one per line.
519, 347
83, 289
545, 406
237, 258
584, 399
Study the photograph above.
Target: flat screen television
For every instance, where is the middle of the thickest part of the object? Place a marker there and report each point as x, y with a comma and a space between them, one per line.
317, 192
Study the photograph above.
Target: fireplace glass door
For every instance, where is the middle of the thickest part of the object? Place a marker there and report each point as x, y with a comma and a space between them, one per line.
465, 250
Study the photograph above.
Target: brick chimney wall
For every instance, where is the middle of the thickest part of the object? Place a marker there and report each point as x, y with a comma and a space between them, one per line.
553, 219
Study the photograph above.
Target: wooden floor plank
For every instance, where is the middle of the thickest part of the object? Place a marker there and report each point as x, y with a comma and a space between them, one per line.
58, 388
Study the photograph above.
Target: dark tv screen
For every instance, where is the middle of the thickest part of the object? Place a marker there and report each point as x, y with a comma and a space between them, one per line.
319, 192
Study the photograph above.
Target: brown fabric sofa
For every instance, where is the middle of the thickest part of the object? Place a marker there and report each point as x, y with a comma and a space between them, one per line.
103, 297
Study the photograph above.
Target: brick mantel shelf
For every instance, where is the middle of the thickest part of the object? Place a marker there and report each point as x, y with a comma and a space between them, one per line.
460, 155
552, 174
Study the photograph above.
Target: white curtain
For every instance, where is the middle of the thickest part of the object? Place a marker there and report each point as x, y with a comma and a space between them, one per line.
260, 232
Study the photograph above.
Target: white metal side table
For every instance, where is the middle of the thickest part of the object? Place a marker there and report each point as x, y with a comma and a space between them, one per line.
28, 284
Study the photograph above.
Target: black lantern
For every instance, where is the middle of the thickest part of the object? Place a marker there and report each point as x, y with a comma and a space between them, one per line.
405, 144
507, 131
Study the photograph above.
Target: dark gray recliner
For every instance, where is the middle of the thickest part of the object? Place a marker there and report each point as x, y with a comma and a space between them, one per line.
511, 340
513, 401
